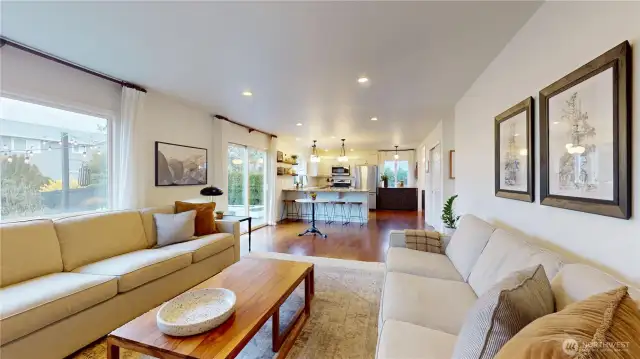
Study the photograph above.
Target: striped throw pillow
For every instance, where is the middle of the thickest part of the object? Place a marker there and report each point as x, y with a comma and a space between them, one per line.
502, 311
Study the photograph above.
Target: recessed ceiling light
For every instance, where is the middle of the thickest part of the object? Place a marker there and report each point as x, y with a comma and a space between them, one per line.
374, 119
333, 136
363, 80
556, 122
247, 93
298, 124
326, 150
297, 138
351, 150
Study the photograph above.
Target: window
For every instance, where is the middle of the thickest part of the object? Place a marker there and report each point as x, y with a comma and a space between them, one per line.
397, 171
247, 183
40, 173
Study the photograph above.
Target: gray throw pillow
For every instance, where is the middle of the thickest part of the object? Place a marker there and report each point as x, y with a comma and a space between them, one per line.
174, 228
502, 312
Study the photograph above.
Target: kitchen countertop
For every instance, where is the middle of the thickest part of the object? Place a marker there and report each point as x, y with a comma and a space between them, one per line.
326, 189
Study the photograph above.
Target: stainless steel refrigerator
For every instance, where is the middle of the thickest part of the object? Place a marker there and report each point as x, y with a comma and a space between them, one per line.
366, 177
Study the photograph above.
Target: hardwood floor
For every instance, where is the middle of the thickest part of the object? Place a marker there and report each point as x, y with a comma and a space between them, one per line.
367, 243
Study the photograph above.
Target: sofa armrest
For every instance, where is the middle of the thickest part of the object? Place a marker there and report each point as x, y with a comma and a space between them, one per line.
232, 227
397, 239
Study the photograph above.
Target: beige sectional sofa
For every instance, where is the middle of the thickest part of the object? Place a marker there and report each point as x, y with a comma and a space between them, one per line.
67, 282
426, 296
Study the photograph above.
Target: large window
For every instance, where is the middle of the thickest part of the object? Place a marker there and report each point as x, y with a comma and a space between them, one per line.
246, 180
52, 161
397, 171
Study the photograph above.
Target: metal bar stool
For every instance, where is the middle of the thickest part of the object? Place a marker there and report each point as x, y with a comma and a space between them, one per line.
335, 214
358, 215
305, 212
290, 210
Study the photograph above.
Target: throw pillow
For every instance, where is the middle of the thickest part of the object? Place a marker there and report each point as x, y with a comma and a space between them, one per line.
602, 326
205, 220
502, 311
174, 228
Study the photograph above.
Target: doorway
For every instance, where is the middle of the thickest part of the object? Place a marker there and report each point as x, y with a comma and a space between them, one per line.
247, 184
434, 189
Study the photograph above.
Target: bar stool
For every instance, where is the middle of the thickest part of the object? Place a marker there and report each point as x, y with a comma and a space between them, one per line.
358, 206
334, 213
290, 209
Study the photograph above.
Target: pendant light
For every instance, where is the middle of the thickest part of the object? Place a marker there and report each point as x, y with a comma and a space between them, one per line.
343, 154
396, 156
314, 153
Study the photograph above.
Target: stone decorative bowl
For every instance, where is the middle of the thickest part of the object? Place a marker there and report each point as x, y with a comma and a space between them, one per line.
196, 311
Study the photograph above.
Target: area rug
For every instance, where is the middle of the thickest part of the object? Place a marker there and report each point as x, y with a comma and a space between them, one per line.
344, 314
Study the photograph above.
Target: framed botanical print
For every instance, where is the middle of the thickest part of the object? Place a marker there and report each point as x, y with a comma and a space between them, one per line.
514, 152
585, 137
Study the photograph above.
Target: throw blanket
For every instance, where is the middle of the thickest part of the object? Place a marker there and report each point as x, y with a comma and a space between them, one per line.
425, 241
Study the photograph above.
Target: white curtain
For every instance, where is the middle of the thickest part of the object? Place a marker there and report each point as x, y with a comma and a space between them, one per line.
272, 183
127, 191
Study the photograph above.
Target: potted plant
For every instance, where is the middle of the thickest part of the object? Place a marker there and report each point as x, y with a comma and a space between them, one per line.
385, 180
294, 159
219, 214
313, 196
449, 219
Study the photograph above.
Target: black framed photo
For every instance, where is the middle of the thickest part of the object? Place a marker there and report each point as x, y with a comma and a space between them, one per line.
514, 152
585, 137
179, 165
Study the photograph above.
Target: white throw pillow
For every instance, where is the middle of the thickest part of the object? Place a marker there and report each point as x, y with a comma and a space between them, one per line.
174, 228
502, 311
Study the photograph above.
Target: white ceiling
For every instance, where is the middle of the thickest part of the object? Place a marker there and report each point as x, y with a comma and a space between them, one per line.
301, 60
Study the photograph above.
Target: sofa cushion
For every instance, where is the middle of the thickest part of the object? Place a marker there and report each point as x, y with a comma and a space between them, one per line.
137, 268
149, 224
174, 228
89, 238
205, 220
429, 302
401, 340
602, 326
425, 264
19, 259
576, 282
36, 303
467, 243
204, 247
507, 253
502, 311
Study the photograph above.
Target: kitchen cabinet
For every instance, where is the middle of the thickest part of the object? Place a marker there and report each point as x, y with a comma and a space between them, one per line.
318, 169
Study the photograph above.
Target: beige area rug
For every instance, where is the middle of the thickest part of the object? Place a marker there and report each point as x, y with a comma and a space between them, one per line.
344, 314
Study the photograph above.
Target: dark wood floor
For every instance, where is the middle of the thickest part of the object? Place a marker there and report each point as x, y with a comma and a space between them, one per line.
367, 243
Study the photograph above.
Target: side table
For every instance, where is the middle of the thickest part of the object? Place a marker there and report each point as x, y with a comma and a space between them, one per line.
241, 219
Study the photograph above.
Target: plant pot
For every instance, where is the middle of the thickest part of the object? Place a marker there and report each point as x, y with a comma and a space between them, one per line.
385, 183
449, 231
219, 215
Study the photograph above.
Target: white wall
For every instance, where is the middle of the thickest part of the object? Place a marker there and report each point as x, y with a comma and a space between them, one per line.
168, 119
559, 38
444, 135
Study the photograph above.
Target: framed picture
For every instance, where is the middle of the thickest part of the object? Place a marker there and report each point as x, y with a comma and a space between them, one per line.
178, 165
514, 152
452, 164
585, 144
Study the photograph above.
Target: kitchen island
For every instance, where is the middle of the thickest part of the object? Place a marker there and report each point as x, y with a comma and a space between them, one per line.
332, 194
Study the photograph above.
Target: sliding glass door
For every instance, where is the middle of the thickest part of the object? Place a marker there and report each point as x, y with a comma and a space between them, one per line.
247, 184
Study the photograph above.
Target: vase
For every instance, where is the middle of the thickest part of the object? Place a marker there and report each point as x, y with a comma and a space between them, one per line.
385, 183
219, 215
449, 231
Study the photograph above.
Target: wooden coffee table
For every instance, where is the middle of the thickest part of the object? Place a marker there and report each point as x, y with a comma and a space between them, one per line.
260, 285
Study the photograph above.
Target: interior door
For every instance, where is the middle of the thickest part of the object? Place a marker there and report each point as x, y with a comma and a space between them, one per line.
434, 195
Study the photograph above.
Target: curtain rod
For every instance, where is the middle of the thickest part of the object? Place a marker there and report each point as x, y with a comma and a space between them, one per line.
411, 149
251, 129
44, 55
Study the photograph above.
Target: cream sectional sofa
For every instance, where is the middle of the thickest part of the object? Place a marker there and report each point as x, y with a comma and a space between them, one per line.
67, 282
426, 296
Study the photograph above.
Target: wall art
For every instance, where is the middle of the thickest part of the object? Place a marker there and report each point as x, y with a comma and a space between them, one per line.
178, 165
514, 153
585, 128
